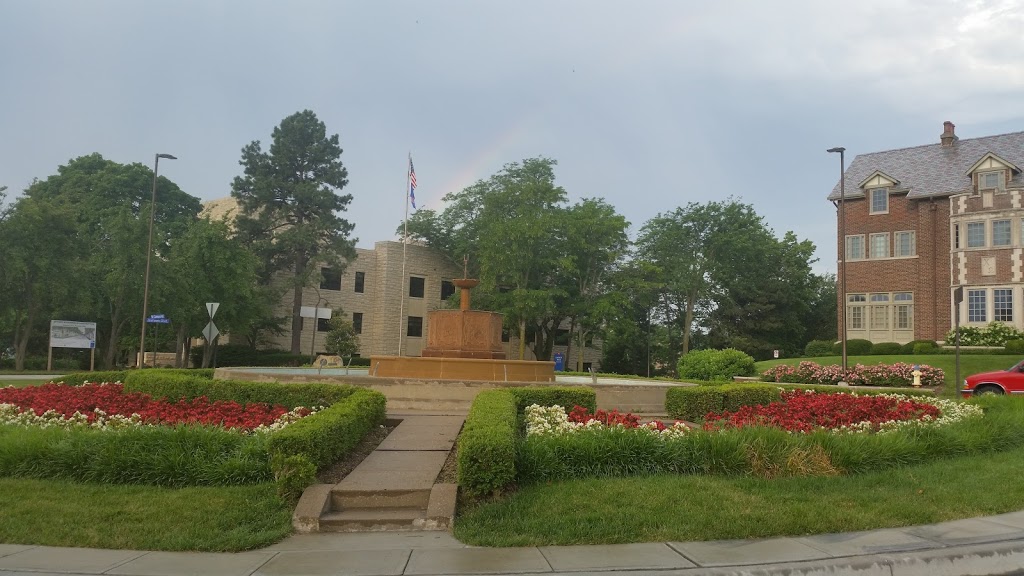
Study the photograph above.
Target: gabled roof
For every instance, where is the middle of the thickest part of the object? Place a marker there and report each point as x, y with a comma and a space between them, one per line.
932, 170
871, 176
995, 157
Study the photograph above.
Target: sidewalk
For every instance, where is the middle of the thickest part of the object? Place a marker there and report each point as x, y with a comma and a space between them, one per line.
991, 545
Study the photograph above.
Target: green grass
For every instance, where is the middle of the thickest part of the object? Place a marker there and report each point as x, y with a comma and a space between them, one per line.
673, 508
969, 363
20, 383
56, 513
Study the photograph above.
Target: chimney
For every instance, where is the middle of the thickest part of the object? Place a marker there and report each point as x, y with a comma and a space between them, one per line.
948, 134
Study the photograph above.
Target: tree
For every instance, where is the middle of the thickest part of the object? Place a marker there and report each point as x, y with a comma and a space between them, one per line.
289, 203
341, 339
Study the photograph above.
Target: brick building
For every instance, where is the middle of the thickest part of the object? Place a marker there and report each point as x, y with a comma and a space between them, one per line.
385, 307
922, 221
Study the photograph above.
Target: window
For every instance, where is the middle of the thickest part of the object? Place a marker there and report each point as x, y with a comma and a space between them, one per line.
357, 322
879, 311
904, 310
330, 279
447, 289
879, 200
1001, 233
906, 244
416, 284
880, 245
1002, 301
414, 329
976, 306
360, 281
975, 234
505, 335
956, 236
855, 311
323, 324
991, 180
855, 247
587, 366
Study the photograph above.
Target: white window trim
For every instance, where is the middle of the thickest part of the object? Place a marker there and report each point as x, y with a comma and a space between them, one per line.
992, 232
871, 201
967, 235
871, 245
896, 243
863, 247
1000, 185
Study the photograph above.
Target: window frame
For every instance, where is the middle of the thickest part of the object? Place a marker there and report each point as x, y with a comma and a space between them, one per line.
1007, 305
912, 244
360, 282
983, 236
873, 195
329, 280
1009, 232
422, 288
977, 305
871, 246
323, 324
357, 322
1000, 184
860, 240
411, 321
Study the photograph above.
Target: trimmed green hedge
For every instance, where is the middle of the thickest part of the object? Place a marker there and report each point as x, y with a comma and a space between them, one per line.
332, 432
816, 348
172, 386
487, 445
886, 349
693, 403
79, 378
715, 364
565, 396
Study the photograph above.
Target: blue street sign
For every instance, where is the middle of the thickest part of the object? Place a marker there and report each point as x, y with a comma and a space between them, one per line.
158, 320
157, 316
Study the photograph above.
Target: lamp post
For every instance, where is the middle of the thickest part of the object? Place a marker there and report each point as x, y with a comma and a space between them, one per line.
149, 255
842, 240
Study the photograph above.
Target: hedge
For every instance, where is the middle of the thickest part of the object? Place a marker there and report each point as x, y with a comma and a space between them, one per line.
886, 349
693, 403
565, 396
487, 445
716, 364
79, 378
332, 432
172, 386
243, 355
816, 348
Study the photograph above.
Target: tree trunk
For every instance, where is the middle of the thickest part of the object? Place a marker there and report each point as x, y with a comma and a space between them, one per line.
179, 342
111, 351
297, 308
21, 345
522, 339
688, 322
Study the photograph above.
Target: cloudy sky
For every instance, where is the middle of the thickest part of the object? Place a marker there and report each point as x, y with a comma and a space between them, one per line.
648, 104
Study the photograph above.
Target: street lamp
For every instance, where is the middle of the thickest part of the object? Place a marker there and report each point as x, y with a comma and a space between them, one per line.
149, 254
842, 239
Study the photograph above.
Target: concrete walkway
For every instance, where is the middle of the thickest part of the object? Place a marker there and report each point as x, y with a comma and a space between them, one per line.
992, 545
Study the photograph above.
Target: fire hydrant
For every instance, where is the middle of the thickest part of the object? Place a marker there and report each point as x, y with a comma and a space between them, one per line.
917, 376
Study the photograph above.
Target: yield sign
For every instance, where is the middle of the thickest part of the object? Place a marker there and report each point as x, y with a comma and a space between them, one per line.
210, 332
211, 308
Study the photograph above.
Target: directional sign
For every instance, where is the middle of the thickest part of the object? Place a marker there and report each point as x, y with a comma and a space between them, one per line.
157, 316
211, 308
210, 332
158, 320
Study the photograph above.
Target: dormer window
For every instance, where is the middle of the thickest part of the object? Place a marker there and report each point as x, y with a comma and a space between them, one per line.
879, 200
991, 180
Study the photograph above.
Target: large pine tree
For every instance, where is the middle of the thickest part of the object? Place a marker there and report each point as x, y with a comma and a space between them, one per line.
289, 201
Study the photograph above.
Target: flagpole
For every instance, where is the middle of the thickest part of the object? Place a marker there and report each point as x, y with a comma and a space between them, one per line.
405, 245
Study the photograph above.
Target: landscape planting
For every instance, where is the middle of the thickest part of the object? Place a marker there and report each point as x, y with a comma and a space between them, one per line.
894, 375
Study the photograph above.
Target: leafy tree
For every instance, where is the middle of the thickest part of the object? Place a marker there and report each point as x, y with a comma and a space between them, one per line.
342, 339
821, 320
289, 202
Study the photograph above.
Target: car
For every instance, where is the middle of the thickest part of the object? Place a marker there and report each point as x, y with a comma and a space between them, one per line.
1009, 381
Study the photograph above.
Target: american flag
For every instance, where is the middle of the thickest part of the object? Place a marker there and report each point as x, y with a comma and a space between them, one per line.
412, 183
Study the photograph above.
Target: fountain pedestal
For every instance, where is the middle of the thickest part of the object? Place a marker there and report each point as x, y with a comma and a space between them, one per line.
464, 333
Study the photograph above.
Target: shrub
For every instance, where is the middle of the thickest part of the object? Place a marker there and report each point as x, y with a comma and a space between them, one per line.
735, 396
79, 378
716, 364
817, 348
487, 444
854, 347
565, 396
330, 433
292, 474
243, 355
693, 403
995, 334
911, 347
885, 349
898, 374
174, 386
1014, 347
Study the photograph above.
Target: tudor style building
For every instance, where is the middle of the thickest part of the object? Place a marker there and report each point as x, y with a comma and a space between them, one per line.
923, 221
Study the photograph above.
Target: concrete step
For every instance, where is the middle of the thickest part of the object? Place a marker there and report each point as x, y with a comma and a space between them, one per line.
380, 499
377, 519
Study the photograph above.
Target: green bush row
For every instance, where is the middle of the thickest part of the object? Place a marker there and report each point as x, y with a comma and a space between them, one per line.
79, 378
243, 355
765, 452
487, 444
693, 403
160, 455
175, 386
860, 347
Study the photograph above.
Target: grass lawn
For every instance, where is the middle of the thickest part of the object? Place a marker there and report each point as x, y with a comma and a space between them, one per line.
969, 363
686, 508
20, 383
55, 513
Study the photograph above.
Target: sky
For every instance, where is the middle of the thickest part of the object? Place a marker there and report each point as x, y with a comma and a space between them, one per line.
647, 104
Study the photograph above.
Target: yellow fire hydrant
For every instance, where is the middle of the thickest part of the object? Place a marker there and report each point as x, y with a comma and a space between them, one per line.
917, 376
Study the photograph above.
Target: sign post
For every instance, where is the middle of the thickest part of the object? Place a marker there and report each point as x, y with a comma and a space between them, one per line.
157, 319
958, 297
70, 334
210, 331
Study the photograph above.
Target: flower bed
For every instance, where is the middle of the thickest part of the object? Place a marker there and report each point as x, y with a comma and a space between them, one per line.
553, 420
806, 411
107, 406
898, 374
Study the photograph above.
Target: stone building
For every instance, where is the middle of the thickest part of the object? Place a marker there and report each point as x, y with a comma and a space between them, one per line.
386, 309
923, 221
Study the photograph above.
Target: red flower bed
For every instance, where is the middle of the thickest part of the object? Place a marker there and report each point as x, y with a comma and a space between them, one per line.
804, 412
614, 418
112, 399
